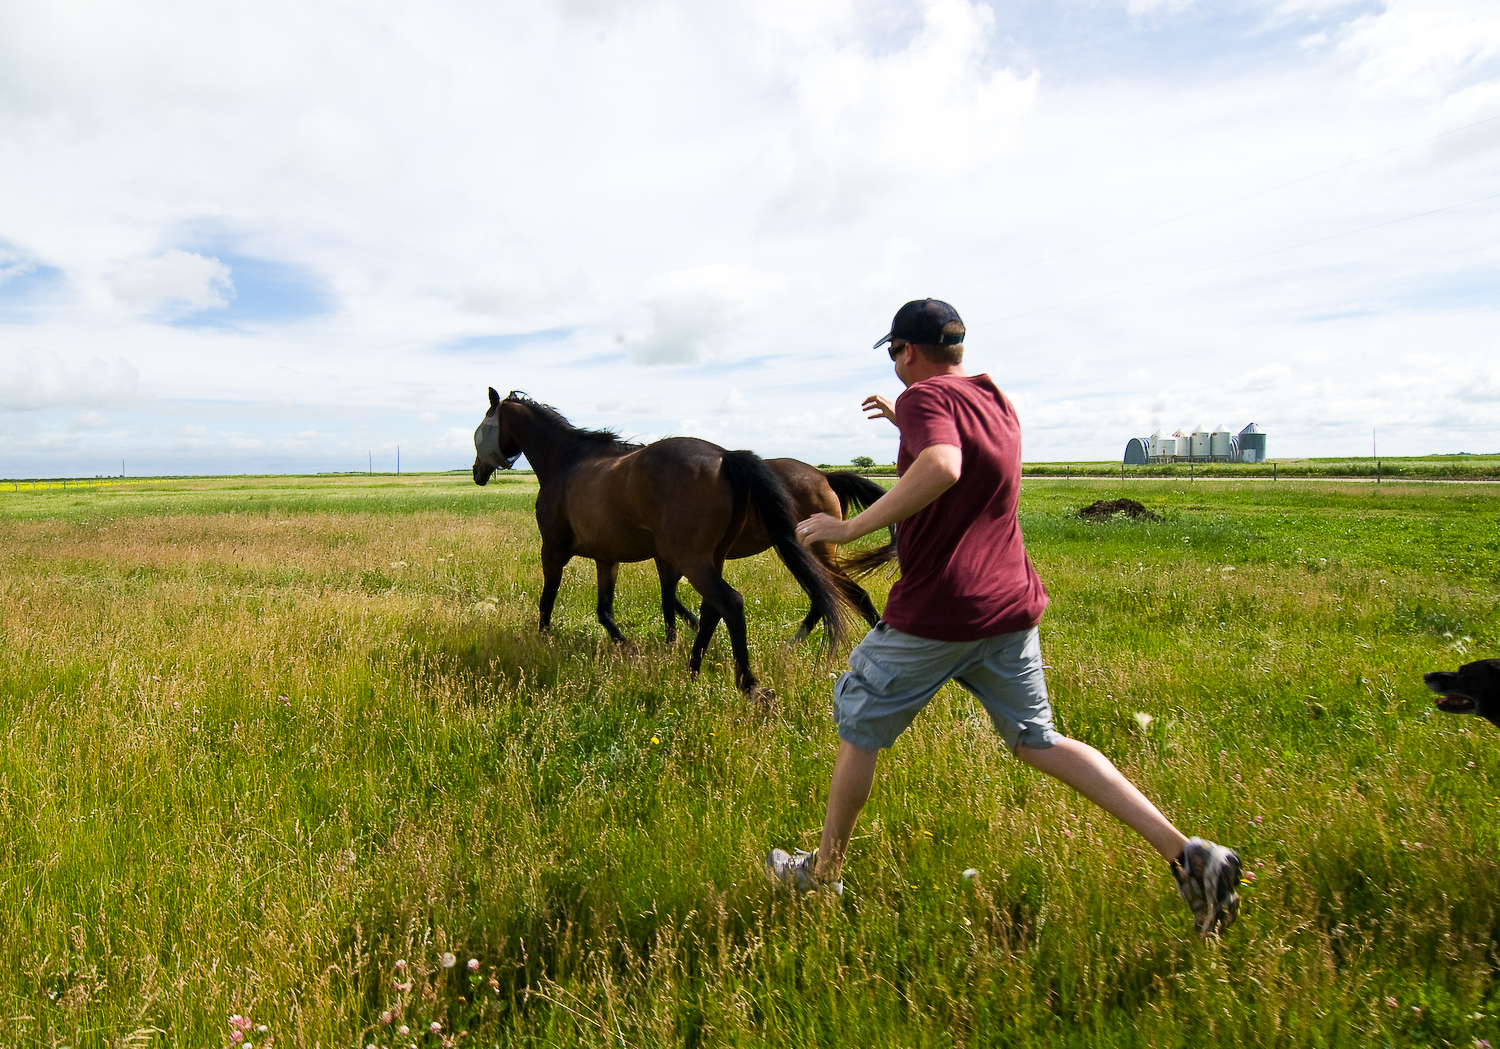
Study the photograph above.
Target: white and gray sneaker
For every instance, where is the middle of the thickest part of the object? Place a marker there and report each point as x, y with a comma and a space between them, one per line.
795, 870
1207, 877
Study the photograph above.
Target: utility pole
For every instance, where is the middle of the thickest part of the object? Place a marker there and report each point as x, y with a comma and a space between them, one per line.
370, 452
398, 460
1375, 454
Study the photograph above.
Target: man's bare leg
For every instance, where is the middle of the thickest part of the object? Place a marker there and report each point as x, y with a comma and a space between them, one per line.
1094, 776
848, 790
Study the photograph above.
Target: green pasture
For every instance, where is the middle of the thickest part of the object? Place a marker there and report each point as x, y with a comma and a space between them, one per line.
1405, 468
273, 747
1394, 469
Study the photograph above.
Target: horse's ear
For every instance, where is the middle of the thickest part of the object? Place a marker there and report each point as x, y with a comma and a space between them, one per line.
494, 398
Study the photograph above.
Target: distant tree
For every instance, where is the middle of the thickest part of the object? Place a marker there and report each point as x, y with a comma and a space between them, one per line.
864, 462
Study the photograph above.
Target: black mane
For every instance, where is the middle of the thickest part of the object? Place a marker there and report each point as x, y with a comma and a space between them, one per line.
607, 440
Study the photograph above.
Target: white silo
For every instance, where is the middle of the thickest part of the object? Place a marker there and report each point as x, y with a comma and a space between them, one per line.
1184, 441
1219, 442
1202, 443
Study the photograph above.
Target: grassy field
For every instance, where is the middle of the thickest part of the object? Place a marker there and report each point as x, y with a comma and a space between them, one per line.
274, 747
1412, 468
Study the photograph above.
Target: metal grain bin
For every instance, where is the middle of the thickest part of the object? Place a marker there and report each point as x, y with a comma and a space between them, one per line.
1252, 445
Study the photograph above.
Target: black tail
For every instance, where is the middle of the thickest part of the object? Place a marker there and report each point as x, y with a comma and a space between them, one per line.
748, 473
858, 493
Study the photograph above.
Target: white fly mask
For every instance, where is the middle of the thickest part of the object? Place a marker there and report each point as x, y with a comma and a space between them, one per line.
487, 443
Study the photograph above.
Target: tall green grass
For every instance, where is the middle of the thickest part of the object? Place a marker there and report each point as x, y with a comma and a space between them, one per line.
274, 747
1404, 468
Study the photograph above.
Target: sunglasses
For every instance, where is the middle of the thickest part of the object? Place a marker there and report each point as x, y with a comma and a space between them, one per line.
896, 349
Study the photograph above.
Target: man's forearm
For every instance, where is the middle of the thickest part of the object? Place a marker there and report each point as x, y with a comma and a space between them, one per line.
934, 472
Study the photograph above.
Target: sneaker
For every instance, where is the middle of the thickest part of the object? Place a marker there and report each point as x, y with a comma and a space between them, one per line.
795, 870
1207, 877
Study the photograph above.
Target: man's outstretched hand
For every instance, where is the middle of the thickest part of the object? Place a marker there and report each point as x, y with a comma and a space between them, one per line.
877, 407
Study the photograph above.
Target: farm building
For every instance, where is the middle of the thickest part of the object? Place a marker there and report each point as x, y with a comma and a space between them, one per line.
1198, 446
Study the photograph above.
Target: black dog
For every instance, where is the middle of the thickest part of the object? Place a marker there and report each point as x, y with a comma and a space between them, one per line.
1472, 689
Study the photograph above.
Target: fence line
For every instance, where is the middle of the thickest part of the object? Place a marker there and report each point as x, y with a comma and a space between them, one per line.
68, 482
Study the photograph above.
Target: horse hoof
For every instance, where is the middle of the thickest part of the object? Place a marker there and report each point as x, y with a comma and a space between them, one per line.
763, 697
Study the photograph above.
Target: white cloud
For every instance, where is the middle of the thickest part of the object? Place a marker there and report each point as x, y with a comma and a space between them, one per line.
89, 421
521, 293
745, 193
694, 312
1422, 47
646, 406
174, 279
868, 123
13, 265
35, 381
1137, 8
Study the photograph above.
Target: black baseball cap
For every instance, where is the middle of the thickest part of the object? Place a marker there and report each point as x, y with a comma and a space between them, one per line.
921, 321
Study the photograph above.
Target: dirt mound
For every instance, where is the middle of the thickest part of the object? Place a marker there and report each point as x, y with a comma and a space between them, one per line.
1105, 509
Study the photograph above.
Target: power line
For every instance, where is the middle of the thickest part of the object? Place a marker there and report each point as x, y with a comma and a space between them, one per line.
1235, 262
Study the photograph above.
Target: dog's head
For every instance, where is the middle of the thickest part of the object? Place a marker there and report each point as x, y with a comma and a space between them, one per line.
1473, 688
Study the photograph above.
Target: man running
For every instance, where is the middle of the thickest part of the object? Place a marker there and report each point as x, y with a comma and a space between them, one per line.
966, 609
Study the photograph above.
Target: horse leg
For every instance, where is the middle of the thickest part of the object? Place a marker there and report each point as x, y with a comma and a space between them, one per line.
553, 564
810, 621
707, 624
857, 596
850, 589
609, 571
860, 598
669, 604
723, 601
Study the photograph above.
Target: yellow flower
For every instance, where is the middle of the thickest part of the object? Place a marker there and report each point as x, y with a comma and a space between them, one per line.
655, 740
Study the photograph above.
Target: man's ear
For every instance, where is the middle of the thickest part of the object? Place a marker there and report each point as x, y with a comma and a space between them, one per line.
494, 399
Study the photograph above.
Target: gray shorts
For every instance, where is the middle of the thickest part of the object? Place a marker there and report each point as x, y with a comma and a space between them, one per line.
893, 675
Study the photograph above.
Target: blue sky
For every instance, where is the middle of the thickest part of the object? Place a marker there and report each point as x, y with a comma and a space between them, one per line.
276, 236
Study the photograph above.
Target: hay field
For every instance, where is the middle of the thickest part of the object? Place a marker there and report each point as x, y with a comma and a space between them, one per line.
272, 748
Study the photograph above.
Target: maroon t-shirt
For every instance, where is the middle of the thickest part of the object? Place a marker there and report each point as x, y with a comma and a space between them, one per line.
964, 570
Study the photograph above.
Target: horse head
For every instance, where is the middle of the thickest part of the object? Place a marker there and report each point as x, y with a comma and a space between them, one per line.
495, 447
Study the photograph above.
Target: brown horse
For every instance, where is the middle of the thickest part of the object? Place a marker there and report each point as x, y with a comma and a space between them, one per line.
812, 491
681, 501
